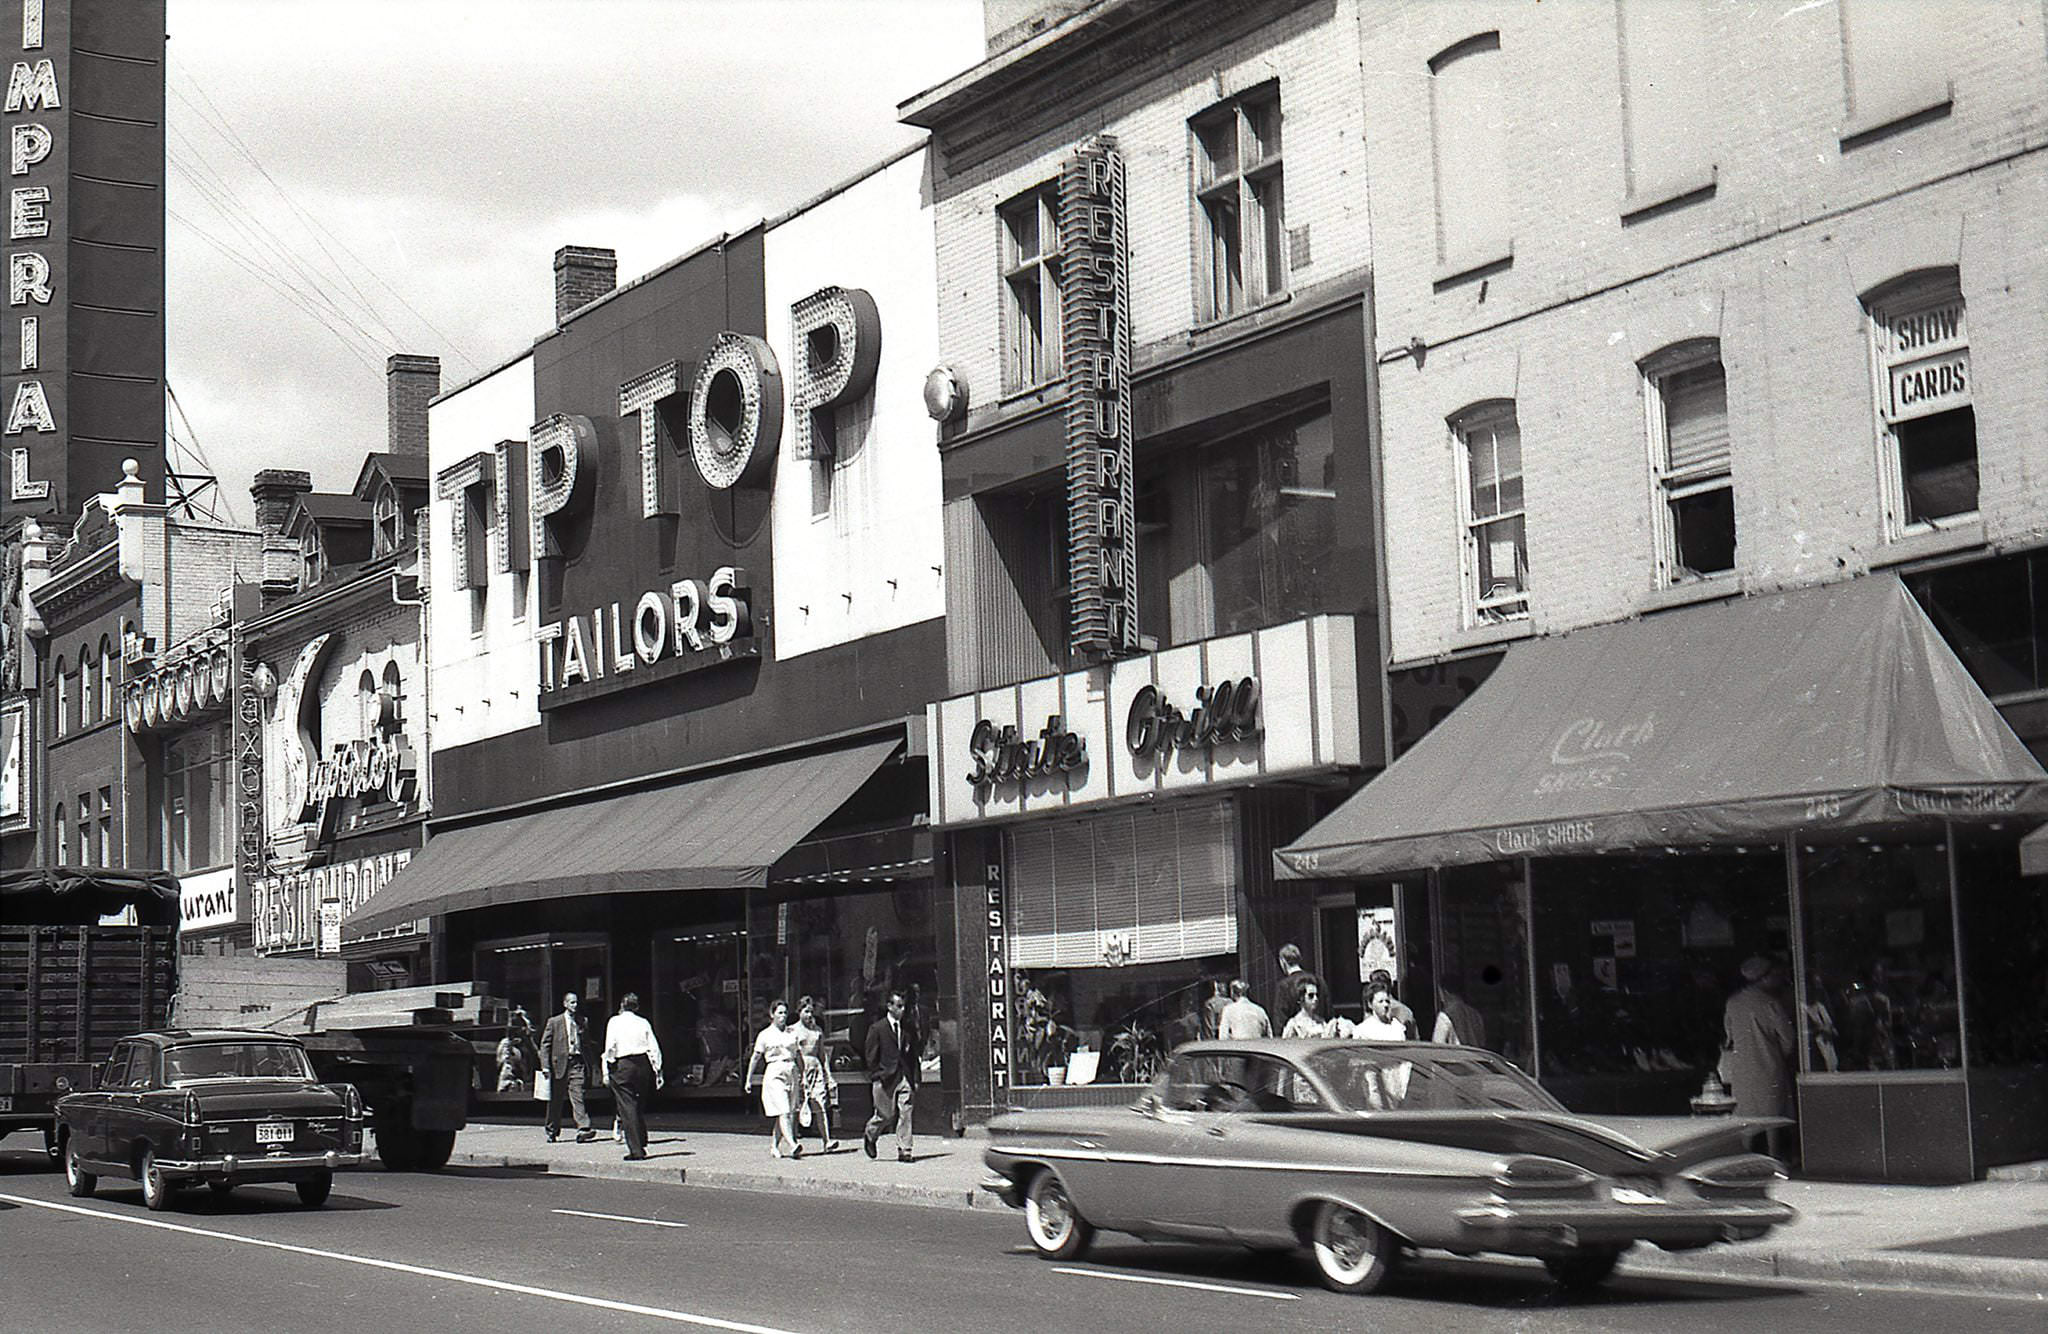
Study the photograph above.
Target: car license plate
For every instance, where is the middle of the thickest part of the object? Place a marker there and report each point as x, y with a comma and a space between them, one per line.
273, 1132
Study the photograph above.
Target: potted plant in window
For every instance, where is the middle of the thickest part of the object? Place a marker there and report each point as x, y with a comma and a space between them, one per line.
1136, 1052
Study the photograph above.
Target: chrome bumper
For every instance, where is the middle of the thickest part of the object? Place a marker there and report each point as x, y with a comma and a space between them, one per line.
236, 1165
1538, 1227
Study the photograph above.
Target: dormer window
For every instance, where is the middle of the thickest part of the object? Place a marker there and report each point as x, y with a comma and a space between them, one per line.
389, 520
309, 556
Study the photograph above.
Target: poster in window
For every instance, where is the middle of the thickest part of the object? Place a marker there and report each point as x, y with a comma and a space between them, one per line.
1378, 950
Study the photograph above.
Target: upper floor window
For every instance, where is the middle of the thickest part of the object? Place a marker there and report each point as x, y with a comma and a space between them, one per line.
1468, 116
309, 557
1920, 345
88, 699
391, 700
1667, 139
109, 695
1896, 62
1686, 392
1031, 287
62, 835
62, 723
197, 827
1240, 203
366, 704
1495, 543
1268, 531
388, 520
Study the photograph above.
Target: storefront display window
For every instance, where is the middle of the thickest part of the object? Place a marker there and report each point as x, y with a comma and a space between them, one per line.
1482, 944
1880, 957
849, 949
2005, 953
1636, 957
699, 1004
1119, 1021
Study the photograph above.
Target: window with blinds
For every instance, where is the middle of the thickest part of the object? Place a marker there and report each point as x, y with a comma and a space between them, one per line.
1496, 544
1686, 391
1131, 887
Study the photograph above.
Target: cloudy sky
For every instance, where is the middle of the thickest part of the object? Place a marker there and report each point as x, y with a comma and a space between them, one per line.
351, 178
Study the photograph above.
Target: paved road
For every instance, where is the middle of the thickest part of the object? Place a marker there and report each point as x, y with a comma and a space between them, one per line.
505, 1251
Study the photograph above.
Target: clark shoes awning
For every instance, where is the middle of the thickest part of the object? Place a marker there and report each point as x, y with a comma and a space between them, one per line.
1832, 709
718, 832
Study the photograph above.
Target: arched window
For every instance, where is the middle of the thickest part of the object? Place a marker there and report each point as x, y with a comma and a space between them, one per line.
389, 520
1469, 108
86, 698
1685, 393
63, 836
309, 556
1920, 345
366, 704
110, 695
1495, 541
62, 701
394, 699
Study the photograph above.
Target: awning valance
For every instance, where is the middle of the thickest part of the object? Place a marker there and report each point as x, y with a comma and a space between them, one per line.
722, 831
1830, 709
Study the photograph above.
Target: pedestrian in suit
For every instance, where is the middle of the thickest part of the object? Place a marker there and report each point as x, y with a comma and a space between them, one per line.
892, 1053
562, 1045
632, 1066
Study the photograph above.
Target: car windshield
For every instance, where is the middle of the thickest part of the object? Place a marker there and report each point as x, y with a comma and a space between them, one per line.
1369, 1078
236, 1060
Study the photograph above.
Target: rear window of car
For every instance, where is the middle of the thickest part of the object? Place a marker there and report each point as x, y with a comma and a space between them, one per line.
236, 1060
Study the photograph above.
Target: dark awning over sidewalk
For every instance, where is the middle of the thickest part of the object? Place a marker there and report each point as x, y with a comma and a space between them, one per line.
1837, 708
717, 832
2034, 852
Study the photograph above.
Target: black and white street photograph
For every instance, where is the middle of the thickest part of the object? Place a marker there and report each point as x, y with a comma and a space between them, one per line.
861, 666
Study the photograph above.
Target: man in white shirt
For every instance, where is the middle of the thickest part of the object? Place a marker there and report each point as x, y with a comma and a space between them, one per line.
1244, 1017
632, 1066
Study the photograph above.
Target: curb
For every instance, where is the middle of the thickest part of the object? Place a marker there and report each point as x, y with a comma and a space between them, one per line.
721, 1178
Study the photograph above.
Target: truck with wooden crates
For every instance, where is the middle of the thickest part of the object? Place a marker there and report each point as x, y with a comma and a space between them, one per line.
72, 985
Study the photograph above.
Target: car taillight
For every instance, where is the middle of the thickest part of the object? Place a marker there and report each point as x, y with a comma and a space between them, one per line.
1542, 1176
1746, 1174
352, 1104
191, 1108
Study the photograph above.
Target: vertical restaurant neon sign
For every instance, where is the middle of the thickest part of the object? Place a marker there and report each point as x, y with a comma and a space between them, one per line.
36, 156
998, 982
1095, 321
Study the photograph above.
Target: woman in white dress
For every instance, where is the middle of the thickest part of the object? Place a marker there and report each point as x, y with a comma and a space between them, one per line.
776, 1057
1380, 1024
820, 1094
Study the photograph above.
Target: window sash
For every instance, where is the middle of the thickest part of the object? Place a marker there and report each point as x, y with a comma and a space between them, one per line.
1695, 411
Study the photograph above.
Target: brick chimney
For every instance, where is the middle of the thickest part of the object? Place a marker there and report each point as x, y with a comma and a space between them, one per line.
410, 383
582, 275
274, 490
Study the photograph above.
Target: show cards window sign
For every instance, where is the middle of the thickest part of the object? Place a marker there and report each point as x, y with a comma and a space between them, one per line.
33, 372
1282, 700
510, 506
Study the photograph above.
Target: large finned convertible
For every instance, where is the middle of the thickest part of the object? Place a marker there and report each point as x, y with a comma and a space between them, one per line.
222, 1106
1364, 1151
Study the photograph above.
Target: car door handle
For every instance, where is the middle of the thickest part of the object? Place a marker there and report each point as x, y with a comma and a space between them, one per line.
1083, 1144
1218, 1131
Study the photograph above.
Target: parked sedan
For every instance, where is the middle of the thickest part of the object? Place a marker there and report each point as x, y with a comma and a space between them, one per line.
1363, 1151
220, 1106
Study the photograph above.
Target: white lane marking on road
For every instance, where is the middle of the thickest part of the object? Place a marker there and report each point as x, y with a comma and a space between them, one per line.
420, 1271
1179, 1283
618, 1218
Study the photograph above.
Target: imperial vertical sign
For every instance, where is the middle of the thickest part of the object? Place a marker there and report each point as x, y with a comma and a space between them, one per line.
1095, 319
82, 338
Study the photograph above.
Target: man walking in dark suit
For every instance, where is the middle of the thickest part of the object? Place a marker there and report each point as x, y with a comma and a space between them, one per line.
562, 1045
892, 1052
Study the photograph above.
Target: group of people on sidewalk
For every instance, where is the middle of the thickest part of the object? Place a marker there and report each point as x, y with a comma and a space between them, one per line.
789, 1061
1301, 998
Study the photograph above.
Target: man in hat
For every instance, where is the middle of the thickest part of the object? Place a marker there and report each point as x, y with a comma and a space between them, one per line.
1759, 1039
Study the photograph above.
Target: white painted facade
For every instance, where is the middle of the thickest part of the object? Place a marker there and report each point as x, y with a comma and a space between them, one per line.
482, 679
857, 539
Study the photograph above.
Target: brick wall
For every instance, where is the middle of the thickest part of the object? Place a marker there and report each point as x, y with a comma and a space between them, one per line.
1772, 260
1312, 52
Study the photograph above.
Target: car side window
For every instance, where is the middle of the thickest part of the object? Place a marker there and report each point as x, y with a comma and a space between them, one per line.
116, 1073
1187, 1082
142, 1067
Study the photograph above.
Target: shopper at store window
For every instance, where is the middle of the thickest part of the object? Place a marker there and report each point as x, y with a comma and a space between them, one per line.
777, 1060
1457, 1022
632, 1066
1760, 1043
820, 1092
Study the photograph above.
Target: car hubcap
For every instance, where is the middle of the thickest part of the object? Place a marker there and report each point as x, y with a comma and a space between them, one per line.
1346, 1238
1054, 1218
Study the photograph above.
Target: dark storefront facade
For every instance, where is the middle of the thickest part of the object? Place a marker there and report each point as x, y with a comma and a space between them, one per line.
684, 631
1616, 820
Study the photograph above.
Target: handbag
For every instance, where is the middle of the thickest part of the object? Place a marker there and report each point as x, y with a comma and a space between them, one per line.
804, 1116
543, 1086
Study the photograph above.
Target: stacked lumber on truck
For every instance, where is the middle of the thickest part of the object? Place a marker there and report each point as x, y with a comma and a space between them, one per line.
216, 991
446, 1005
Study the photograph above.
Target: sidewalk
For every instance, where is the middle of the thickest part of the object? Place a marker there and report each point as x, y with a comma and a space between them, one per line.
1988, 1236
